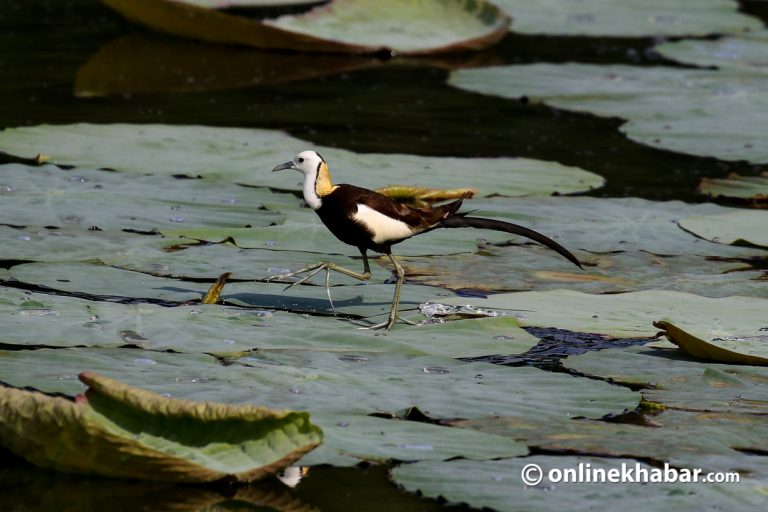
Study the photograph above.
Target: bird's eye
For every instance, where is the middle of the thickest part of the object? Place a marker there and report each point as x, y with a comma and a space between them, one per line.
301, 160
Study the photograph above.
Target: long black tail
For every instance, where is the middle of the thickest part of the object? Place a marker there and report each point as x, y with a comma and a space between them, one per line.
460, 221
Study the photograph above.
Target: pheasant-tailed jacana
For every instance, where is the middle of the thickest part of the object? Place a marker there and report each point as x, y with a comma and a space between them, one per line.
372, 221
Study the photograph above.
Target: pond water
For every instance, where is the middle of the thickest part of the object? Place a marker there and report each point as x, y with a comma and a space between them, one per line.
374, 106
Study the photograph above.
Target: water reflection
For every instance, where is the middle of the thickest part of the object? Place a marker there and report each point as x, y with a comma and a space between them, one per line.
153, 64
26, 488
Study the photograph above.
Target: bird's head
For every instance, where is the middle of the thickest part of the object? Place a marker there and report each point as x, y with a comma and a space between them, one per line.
306, 162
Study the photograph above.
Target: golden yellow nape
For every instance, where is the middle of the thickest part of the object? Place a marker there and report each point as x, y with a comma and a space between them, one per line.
323, 184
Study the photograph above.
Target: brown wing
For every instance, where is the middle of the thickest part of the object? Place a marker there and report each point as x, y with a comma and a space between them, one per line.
419, 218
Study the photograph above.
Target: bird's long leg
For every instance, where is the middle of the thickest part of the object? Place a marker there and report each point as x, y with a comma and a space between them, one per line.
312, 270
393, 312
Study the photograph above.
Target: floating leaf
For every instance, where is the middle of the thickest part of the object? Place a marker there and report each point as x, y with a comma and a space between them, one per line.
741, 52
753, 188
626, 314
154, 437
603, 225
708, 441
87, 199
36, 320
533, 267
625, 18
695, 111
342, 26
740, 226
351, 439
331, 383
248, 155
674, 379
497, 485
718, 345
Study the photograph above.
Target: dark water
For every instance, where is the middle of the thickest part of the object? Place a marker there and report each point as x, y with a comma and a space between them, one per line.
361, 104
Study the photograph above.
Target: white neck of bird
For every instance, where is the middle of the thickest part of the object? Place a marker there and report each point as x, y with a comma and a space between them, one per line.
317, 184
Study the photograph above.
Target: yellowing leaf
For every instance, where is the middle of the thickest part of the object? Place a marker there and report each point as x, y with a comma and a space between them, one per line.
120, 431
724, 348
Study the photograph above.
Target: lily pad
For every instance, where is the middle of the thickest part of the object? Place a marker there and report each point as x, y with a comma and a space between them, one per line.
708, 441
744, 52
90, 199
676, 380
682, 110
718, 345
248, 155
753, 188
338, 383
72, 243
602, 225
741, 226
531, 267
36, 320
625, 18
342, 26
351, 439
497, 485
626, 314
155, 438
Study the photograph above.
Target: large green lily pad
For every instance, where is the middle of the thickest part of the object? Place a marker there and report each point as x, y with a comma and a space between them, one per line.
626, 18
533, 267
49, 196
742, 226
677, 380
497, 485
35, 320
626, 314
602, 225
337, 383
351, 439
34, 243
154, 437
248, 156
709, 441
342, 26
695, 111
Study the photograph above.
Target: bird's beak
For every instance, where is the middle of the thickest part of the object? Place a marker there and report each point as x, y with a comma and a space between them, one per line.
286, 165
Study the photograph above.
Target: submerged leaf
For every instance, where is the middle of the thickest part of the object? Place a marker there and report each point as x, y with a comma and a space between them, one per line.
153, 437
342, 26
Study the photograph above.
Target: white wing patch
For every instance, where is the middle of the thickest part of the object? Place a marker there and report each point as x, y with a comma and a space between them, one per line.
385, 229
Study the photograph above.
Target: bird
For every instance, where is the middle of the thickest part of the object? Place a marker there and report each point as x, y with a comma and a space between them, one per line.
372, 221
